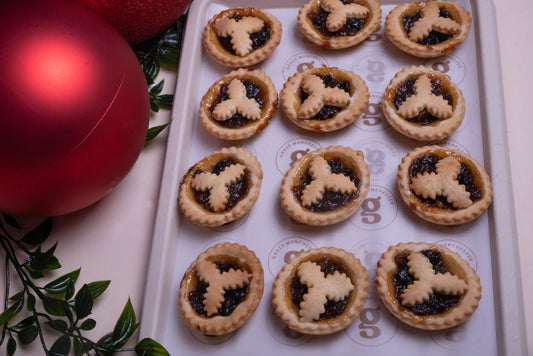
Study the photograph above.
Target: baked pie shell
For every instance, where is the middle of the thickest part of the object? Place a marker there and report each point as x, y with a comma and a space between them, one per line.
350, 158
219, 325
338, 42
455, 264
444, 216
220, 55
196, 213
437, 130
359, 98
396, 33
288, 312
270, 105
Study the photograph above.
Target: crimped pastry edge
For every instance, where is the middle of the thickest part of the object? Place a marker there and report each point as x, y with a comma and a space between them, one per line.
443, 218
223, 325
443, 129
468, 304
279, 300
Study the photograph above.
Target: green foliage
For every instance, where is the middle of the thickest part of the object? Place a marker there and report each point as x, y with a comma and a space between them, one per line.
161, 50
66, 310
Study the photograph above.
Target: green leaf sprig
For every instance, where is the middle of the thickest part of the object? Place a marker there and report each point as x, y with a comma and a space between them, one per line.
66, 311
161, 50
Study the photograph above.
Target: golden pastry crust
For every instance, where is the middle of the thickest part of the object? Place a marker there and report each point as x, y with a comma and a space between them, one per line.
440, 197
336, 35
460, 280
428, 114
216, 115
350, 284
241, 168
313, 201
243, 54
457, 25
305, 94
243, 269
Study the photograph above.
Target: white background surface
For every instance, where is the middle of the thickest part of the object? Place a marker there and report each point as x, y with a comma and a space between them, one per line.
118, 249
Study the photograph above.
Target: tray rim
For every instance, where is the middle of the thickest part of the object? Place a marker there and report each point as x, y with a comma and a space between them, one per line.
505, 255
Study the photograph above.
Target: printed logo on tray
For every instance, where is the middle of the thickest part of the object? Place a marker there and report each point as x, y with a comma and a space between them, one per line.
450, 65
293, 150
285, 250
282, 333
373, 119
300, 62
463, 335
462, 250
380, 155
374, 326
378, 210
376, 68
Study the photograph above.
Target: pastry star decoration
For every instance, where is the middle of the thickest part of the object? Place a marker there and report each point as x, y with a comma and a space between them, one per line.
217, 184
320, 95
320, 289
240, 32
425, 99
238, 102
323, 179
443, 183
339, 13
219, 282
428, 282
432, 21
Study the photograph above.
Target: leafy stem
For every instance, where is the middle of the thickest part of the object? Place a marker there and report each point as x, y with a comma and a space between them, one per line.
66, 310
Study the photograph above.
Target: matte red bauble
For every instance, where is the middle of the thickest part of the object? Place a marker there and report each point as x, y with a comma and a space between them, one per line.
139, 20
75, 107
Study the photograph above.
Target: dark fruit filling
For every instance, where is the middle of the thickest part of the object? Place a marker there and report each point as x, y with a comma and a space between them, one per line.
237, 190
327, 112
437, 303
434, 37
408, 88
350, 28
426, 163
330, 200
258, 38
237, 120
332, 309
232, 297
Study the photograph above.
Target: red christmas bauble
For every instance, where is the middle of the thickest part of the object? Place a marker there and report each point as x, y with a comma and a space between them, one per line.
75, 107
139, 20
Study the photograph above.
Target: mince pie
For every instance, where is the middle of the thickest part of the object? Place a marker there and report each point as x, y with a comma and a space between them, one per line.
239, 105
242, 37
221, 289
325, 186
320, 291
324, 99
423, 104
427, 286
221, 187
428, 29
339, 23
444, 186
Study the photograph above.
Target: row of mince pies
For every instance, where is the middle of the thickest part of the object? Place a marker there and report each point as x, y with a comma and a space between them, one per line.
242, 37
326, 186
323, 290
419, 102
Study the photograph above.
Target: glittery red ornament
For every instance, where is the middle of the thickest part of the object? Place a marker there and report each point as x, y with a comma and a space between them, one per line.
139, 20
75, 107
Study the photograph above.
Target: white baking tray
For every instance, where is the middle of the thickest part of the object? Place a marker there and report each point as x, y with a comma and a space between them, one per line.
489, 244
